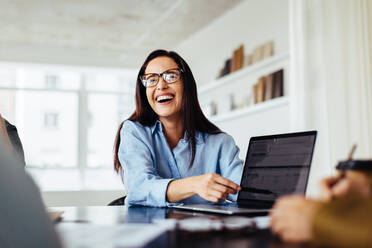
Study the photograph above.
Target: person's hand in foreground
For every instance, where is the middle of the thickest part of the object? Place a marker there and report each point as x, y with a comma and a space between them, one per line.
332, 187
291, 218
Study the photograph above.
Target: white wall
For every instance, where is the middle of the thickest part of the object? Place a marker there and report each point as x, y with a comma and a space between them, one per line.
331, 79
251, 23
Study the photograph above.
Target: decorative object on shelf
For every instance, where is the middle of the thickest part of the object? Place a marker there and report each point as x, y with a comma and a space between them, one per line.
243, 101
227, 104
231, 102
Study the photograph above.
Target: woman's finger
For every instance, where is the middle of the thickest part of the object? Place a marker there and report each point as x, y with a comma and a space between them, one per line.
224, 181
223, 189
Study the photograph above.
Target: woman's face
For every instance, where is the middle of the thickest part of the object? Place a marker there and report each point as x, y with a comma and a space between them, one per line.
164, 98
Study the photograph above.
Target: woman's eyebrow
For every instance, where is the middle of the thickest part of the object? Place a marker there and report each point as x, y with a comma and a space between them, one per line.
161, 72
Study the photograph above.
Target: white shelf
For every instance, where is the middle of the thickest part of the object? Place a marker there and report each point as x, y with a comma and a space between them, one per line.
230, 78
260, 107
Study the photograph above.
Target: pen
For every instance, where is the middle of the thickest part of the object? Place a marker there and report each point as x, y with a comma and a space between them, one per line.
343, 173
228, 201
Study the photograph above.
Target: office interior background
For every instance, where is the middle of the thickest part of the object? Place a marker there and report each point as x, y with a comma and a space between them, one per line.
68, 73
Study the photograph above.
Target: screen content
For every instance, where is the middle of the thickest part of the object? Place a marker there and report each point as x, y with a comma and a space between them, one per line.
276, 167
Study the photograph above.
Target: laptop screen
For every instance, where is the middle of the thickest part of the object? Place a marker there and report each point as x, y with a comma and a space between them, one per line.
277, 165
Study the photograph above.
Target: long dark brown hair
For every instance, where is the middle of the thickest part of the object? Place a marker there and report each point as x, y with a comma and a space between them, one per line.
192, 115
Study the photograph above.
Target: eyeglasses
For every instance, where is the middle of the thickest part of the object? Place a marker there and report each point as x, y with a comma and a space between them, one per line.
169, 76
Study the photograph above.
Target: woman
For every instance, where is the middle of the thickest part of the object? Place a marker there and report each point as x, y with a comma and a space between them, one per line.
167, 150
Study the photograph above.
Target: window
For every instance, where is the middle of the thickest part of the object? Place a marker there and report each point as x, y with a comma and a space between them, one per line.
51, 81
67, 123
51, 120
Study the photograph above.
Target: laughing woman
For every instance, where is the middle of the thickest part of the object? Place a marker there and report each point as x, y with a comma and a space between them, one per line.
168, 151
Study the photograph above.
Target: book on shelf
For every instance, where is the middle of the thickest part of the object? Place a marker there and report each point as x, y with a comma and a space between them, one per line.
268, 49
269, 82
233, 62
247, 60
260, 90
256, 55
269, 87
226, 69
240, 57
263, 51
278, 84
254, 93
236, 62
278, 87
237, 59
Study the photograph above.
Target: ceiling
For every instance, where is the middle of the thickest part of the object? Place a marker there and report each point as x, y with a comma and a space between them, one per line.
124, 30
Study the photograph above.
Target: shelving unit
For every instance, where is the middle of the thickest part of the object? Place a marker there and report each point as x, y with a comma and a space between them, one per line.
260, 68
268, 117
251, 110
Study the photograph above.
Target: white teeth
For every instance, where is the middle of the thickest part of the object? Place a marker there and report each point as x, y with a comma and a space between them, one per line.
165, 97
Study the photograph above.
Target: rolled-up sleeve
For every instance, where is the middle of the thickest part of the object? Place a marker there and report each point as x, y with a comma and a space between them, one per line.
143, 184
231, 166
344, 222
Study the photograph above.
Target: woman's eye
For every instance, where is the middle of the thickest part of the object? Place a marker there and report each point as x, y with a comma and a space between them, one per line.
171, 76
152, 80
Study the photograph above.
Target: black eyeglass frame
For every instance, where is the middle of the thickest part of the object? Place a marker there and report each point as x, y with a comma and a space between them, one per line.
160, 75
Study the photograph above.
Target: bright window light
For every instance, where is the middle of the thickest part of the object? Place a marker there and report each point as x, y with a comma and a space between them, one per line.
67, 119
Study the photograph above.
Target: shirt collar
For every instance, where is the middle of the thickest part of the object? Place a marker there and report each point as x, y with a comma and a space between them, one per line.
198, 135
156, 126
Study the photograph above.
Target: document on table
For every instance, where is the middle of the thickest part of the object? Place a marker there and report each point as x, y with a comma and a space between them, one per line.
121, 235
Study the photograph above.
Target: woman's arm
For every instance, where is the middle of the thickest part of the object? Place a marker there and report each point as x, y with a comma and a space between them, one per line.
212, 187
230, 165
141, 178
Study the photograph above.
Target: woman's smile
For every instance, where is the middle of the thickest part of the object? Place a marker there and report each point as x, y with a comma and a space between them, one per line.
164, 98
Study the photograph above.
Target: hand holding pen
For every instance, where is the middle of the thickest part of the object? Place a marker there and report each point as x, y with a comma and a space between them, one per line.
341, 185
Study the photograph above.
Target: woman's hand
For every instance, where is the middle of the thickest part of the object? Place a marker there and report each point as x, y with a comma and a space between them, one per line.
291, 218
213, 187
335, 187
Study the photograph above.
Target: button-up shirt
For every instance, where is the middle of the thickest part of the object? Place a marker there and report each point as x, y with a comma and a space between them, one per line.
149, 164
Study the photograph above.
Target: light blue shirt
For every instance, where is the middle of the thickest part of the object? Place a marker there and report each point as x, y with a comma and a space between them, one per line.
149, 164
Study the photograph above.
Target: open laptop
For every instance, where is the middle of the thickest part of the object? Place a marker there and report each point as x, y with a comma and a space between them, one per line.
275, 165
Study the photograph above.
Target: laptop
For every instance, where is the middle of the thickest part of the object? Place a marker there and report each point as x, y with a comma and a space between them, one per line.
275, 165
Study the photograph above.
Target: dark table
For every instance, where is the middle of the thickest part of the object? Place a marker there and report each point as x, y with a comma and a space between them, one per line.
118, 214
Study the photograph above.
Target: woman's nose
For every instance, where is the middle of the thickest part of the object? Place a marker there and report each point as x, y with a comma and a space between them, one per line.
161, 84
